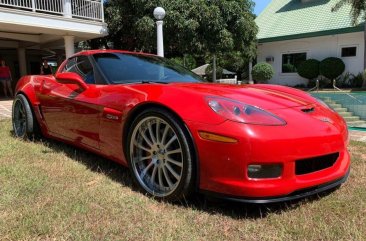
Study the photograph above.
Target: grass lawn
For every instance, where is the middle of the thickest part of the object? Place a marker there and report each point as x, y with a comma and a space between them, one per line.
51, 191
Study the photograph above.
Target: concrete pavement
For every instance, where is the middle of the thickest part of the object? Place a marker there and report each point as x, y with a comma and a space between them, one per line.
5, 108
358, 135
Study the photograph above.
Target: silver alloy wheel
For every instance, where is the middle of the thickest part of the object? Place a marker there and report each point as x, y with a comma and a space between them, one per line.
156, 156
19, 118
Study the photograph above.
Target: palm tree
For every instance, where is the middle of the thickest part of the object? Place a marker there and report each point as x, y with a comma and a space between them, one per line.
358, 9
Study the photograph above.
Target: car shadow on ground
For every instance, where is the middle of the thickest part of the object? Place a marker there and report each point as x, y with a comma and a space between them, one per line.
120, 174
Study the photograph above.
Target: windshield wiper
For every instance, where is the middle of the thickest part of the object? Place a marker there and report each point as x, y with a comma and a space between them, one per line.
152, 82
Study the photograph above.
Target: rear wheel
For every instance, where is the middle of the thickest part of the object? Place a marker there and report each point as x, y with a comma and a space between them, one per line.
161, 155
24, 122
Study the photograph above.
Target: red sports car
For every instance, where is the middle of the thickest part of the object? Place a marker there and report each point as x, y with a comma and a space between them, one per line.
179, 135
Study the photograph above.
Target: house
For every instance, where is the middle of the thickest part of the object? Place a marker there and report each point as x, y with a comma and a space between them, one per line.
291, 31
201, 71
33, 29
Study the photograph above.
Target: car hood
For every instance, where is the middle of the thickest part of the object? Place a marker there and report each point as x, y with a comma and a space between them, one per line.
256, 95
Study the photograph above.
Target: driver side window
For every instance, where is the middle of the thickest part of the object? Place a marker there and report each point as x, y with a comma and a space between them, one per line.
81, 66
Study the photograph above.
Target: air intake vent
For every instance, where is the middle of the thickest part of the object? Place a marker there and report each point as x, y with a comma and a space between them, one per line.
309, 110
314, 164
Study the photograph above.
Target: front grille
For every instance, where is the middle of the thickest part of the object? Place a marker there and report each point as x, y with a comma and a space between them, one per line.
314, 164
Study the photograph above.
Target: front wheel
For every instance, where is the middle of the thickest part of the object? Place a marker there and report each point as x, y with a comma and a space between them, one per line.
24, 122
160, 155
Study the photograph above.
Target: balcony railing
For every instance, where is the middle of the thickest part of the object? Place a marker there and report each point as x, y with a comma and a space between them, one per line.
83, 9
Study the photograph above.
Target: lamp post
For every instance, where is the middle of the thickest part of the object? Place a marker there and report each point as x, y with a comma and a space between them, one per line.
159, 14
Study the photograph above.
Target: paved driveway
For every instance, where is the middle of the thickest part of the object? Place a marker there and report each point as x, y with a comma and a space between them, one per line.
5, 108
358, 135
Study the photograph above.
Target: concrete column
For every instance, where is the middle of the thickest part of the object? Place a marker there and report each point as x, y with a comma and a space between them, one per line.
160, 39
69, 45
67, 8
22, 61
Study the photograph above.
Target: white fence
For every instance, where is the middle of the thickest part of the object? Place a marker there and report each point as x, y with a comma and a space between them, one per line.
84, 9
55, 6
229, 81
88, 9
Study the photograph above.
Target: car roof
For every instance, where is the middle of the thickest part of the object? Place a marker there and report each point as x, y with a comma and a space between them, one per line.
98, 51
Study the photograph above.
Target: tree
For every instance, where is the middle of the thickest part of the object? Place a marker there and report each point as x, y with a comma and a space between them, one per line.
187, 61
358, 10
209, 70
309, 69
195, 27
331, 67
236, 61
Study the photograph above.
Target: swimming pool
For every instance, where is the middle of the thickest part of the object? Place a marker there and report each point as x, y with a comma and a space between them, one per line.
350, 105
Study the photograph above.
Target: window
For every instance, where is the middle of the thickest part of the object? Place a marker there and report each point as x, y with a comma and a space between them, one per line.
290, 62
349, 52
121, 68
81, 66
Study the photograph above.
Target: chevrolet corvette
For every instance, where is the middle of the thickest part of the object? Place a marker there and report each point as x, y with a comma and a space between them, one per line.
180, 135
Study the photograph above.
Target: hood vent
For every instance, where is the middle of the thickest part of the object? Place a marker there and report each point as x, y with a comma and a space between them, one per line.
308, 110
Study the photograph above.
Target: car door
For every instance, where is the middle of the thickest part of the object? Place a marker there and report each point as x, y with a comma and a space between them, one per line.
69, 112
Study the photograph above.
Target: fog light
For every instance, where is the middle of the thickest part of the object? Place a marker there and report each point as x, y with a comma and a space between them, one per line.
265, 171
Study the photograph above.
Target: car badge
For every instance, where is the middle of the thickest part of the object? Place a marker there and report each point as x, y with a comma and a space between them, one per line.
325, 119
112, 117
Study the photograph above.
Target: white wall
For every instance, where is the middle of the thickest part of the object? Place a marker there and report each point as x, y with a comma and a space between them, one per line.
316, 48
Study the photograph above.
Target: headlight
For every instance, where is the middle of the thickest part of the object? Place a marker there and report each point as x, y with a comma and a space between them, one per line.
243, 113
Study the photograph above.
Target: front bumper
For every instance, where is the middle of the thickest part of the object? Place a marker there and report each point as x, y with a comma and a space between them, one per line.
223, 166
303, 193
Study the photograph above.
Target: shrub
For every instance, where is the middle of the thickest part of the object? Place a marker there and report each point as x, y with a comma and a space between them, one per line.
309, 69
363, 86
332, 67
344, 81
300, 86
325, 83
357, 80
262, 72
311, 83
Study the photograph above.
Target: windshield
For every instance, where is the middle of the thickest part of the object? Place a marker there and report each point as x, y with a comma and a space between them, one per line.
121, 68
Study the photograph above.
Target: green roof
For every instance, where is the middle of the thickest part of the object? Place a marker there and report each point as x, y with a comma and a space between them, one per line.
292, 19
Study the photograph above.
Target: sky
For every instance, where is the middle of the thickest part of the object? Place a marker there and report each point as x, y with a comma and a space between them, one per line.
260, 5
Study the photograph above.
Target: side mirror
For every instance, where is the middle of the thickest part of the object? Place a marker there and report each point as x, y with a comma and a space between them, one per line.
71, 78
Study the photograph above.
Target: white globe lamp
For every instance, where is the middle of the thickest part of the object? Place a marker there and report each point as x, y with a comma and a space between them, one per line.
159, 14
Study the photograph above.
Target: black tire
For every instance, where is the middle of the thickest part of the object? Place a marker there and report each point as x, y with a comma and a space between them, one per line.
161, 155
25, 124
